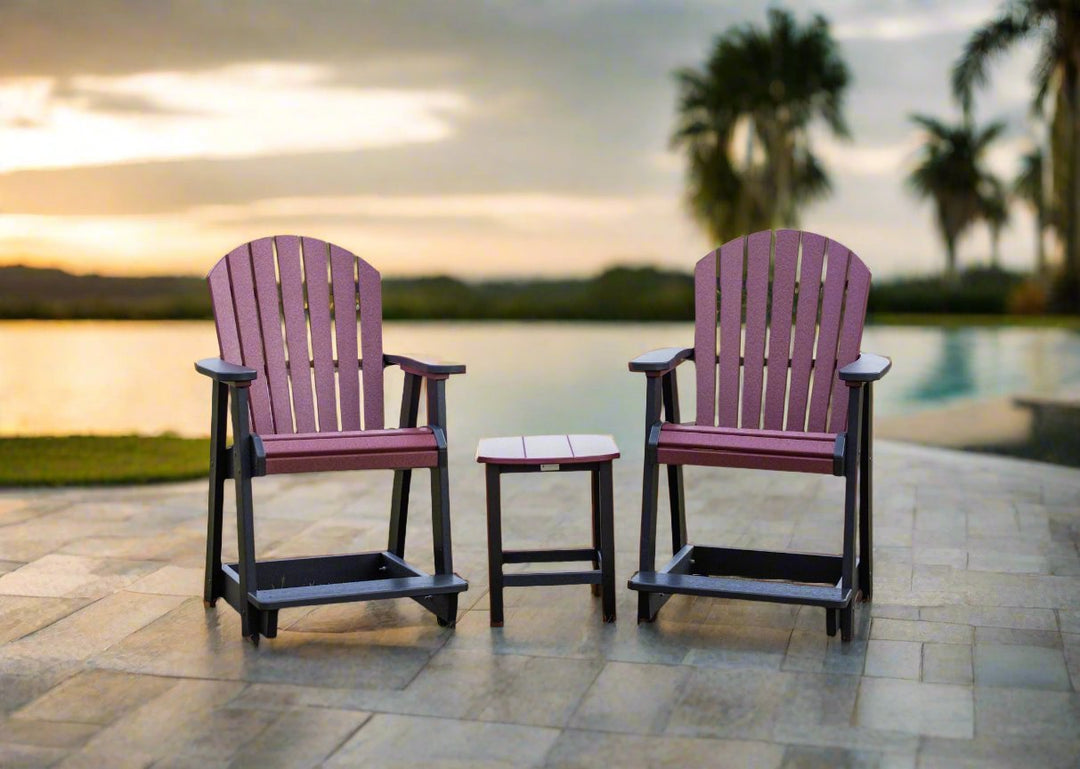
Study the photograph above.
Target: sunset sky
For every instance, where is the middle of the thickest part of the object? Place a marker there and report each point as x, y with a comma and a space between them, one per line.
472, 138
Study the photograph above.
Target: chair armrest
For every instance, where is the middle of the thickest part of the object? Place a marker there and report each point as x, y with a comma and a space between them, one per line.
223, 371
662, 360
423, 366
866, 368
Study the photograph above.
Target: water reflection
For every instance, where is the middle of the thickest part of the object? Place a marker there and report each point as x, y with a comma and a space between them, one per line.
949, 373
115, 377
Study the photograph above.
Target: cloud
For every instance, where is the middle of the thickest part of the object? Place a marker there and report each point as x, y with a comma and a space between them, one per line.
919, 21
239, 111
881, 160
568, 101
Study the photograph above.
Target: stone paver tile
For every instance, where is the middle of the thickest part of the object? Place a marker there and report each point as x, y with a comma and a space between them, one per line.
1026, 713
991, 752
536, 632
631, 697
1069, 621
22, 681
947, 664
955, 557
664, 642
814, 652
171, 580
213, 648
808, 757
1025, 667
188, 717
21, 615
15, 756
812, 703
299, 739
756, 614
96, 697
191, 762
395, 741
729, 703
992, 616
1012, 563
728, 646
916, 708
602, 750
73, 576
86, 632
894, 659
46, 734
398, 623
1071, 647
892, 611
1004, 635
887, 629
535, 691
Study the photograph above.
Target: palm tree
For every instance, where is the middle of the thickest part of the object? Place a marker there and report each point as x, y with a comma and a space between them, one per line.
1028, 186
950, 173
1056, 26
744, 122
994, 210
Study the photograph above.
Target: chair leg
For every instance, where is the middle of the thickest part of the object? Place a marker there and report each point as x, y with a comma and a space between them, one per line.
866, 498
650, 479
847, 622
495, 554
830, 622
678, 507
607, 541
215, 515
448, 616
440, 525
250, 619
399, 512
849, 579
596, 537
670, 396
399, 505
216, 497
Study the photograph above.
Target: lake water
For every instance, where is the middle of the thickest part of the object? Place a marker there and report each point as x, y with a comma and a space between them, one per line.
124, 377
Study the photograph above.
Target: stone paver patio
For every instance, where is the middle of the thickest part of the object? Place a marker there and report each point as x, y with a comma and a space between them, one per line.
969, 655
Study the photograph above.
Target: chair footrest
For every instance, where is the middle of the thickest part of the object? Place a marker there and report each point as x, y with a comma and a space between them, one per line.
336, 579
759, 575
547, 578
550, 556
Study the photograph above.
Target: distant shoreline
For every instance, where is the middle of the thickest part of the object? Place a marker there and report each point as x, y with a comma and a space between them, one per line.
624, 294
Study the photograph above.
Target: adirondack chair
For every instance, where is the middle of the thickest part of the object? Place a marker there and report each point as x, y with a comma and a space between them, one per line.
281, 423
806, 405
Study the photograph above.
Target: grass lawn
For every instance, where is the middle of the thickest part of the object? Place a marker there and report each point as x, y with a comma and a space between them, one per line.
84, 460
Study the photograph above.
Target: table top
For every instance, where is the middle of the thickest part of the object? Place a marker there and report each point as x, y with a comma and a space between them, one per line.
546, 449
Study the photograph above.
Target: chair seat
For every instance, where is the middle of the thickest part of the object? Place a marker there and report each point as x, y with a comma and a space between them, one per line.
351, 450
689, 444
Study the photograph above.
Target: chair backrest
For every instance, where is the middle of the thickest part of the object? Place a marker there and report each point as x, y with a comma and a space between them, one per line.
288, 307
811, 311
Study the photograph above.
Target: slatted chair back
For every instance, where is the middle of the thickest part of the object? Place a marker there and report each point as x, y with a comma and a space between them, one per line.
778, 339
307, 315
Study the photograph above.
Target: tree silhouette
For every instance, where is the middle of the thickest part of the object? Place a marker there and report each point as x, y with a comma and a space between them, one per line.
1055, 24
744, 119
1028, 187
950, 172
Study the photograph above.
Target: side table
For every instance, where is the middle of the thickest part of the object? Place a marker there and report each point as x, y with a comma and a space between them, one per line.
542, 454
